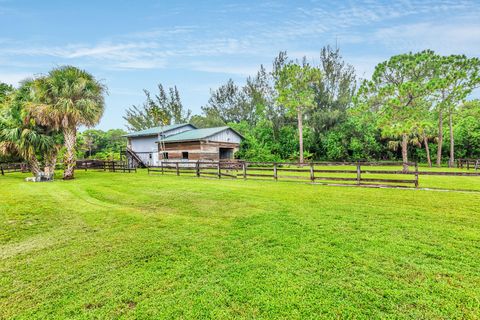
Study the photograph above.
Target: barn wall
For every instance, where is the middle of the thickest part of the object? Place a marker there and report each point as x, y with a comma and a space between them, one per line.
198, 150
143, 144
175, 150
226, 136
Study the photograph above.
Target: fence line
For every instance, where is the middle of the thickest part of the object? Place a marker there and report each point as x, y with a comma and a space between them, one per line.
13, 167
291, 171
467, 162
111, 166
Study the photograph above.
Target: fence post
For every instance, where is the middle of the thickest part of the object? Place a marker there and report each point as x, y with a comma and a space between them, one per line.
312, 173
161, 165
178, 171
244, 168
275, 176
359, 173
468, 164
416, 175
198, 168
1, 168
219, 173
113, 166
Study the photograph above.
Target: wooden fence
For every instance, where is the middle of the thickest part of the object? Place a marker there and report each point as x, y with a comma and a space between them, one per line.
13, 167
468, 163
359, 173
111, 166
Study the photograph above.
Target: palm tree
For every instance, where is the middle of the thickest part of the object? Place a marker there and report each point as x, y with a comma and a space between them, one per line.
19, 135
68, 98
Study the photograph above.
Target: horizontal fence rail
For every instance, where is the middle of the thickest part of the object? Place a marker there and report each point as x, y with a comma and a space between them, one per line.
360, 173
111, 166
468, 163
13, 167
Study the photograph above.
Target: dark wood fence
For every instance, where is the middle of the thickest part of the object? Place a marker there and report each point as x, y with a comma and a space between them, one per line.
359, 173
468, 163
13, 167
111, 166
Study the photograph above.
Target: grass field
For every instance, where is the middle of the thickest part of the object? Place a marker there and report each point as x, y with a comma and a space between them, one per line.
114, 245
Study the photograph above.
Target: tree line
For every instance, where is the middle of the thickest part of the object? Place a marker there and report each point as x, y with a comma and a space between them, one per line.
415, 106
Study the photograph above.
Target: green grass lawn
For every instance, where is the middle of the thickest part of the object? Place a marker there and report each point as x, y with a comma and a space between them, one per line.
114, 245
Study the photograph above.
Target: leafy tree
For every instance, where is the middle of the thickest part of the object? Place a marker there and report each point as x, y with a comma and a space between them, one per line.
397, 93
229, 103
456, 76
295, 87
206, 121
65, 99
467, 130
21, 136
333, 96
5, 91
103, 145
162, 109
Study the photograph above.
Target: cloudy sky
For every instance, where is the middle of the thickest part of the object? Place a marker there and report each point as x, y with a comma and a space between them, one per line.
198, 45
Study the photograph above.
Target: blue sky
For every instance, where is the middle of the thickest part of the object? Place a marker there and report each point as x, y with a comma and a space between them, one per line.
198, 45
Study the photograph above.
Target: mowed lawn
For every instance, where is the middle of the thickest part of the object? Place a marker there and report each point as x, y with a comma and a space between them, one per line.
114, 245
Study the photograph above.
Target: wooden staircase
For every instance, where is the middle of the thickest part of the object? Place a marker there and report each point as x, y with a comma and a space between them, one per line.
130, 153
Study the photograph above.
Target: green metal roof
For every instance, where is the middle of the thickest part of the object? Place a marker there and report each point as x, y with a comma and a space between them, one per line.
197, 134
156, 130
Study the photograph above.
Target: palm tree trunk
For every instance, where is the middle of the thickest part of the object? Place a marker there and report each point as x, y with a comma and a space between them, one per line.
440, 138
405, 152
451, 162
70, 137
300, 132
34, 165
427, 150
50, 162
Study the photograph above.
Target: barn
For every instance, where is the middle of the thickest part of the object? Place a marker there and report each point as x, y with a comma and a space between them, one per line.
182, 142
212, 144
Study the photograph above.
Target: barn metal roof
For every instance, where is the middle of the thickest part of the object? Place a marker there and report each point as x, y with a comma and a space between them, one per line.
197, 134
156, 130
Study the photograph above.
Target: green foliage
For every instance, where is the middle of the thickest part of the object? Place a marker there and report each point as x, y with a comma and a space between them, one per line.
103, 145
467, 130
5, 91
164, 108
21, 137
68, 97
295, 86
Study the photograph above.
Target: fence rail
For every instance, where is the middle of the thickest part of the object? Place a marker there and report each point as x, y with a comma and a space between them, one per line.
13, 167
469, 163
294, 171
111, 166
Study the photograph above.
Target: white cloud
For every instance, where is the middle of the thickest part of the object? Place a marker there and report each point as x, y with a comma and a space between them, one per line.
14, 78
352, 23
232, 69
444, 38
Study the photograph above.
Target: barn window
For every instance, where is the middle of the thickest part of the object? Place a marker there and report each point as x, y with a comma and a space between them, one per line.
185, 155
165, 155
226, 153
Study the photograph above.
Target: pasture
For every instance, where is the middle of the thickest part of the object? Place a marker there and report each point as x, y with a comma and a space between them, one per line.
114, 245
